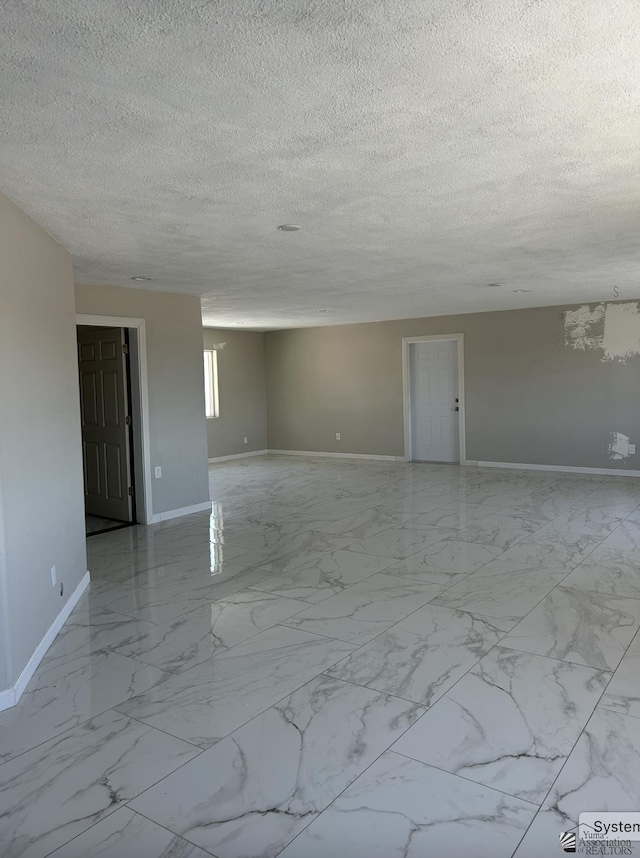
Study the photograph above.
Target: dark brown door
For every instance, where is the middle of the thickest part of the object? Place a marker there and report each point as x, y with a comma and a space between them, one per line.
105, 431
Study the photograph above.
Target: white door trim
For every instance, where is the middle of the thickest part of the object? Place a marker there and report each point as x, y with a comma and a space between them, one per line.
132, 322
406, 390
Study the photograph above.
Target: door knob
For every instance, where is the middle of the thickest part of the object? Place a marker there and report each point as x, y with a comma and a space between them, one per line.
456, 408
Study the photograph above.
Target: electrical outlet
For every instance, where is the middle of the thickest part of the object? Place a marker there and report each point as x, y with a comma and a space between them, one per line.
632, 449
337, 436
158, 472
246, 440
53, 576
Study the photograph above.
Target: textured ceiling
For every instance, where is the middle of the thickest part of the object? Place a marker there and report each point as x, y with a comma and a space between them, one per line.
426, 147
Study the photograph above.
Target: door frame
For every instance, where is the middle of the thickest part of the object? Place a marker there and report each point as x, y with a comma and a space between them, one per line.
406, 391
143, 501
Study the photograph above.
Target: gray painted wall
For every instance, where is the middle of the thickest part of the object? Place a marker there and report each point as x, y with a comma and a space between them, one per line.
530, 397
40, 445
241, 388
176, 386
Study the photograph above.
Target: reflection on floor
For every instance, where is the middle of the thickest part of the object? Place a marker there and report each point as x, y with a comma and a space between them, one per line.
345, 658
98, 524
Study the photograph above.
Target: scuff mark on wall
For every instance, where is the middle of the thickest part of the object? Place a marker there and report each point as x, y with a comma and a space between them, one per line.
612, 328
618, 445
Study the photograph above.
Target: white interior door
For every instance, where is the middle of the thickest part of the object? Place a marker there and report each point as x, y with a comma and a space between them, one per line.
433, 368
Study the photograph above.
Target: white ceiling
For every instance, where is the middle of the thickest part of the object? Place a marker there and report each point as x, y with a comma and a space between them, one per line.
426, 147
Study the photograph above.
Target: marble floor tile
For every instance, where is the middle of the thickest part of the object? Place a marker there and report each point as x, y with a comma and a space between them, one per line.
400, 808
559, 550
400, 542
420, 658
456, 515
590, 521
214, 632
580, 626
498, 529
61, 788
87, 630
445, 561
366, 609
426, 502
65, 696
195, 637
169, 599
115, 569
295, 551
499, 494
525, 479
125, 834
602, 773
509, 723
254, 791
623, 692
218, 581
626, 537
205, 703
327, 576
100, 593
608, 571
621, 505
502, 589
257, 536
368, 522
336, 510
160, 604
544, 506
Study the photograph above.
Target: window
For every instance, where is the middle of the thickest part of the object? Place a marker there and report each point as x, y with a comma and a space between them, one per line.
211, 402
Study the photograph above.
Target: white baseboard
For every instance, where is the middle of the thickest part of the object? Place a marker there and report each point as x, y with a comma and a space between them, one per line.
10, 696
565, 469
178, 513
336, 455
7, 699
238, 456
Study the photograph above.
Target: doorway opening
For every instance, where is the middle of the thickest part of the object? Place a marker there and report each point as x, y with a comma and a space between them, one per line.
104, 377
109, 410
433, 369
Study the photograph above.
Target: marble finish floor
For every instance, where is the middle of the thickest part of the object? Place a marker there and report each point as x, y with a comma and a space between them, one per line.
344, 658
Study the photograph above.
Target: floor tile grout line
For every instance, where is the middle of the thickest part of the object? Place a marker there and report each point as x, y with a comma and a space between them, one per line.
408, 700
390, 628
93, 717
307, 681
225, 649
158, 730
172, 833
600, 593
617, 711
609, 670
568, 757
125, 806
387, 750
462, 777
